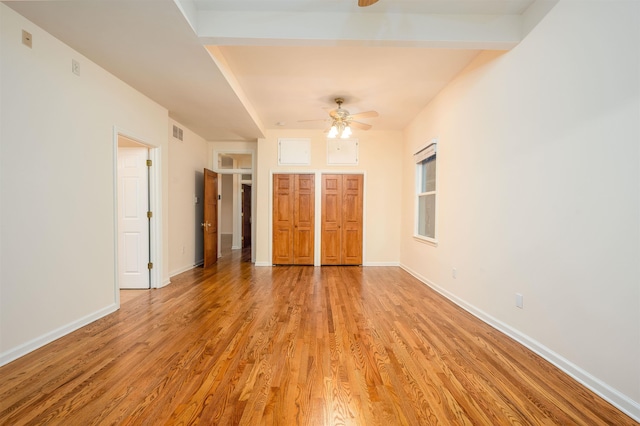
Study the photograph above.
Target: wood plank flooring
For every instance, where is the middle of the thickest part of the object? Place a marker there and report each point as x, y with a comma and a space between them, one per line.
292, 346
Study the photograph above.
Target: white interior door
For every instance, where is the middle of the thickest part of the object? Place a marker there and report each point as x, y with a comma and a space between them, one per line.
133, 224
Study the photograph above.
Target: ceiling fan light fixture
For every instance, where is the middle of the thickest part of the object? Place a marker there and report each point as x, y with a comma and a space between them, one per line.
341, 121
333, 132
340, 129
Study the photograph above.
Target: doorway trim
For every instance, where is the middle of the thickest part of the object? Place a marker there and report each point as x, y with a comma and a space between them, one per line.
239, 172
155, 205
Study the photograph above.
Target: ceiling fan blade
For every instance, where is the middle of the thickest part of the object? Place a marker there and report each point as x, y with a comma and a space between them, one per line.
358, 125
366, 114
365, 3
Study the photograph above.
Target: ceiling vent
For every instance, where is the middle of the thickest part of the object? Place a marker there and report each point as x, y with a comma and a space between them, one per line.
177, 132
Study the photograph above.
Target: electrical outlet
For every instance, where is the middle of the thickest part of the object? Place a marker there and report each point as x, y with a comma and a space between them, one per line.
454, 273
75, 67
27, 40
519, 301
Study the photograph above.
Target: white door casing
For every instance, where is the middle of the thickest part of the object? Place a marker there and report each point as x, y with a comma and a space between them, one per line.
133, 223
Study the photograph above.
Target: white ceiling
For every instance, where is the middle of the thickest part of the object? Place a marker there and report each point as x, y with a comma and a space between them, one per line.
231, 69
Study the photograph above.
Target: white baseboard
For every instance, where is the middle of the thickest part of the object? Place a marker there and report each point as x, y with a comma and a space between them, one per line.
364, 264
181, 270
38, 342
381, 264
615, 397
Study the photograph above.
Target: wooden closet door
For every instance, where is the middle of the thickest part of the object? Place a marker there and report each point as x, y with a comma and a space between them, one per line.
303, 219
331, 219
283, 199
341, 227
352, 186
293, 219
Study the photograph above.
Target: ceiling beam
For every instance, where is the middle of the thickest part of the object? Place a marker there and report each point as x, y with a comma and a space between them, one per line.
464, 31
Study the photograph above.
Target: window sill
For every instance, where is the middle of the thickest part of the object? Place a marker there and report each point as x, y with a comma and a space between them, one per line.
425, 240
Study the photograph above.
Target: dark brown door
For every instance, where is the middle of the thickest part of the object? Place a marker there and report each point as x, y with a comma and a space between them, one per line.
210, 224
341, 219
293, 219
246, 216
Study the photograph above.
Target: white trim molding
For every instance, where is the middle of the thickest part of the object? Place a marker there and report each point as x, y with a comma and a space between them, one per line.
613, 396
376, 264
47, 338
155, 205
181, 270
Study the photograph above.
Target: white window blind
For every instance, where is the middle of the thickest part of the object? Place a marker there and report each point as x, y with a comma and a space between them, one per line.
426, 195
425, 153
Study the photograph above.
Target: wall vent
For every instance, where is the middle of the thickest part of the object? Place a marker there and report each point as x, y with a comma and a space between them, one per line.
177, 133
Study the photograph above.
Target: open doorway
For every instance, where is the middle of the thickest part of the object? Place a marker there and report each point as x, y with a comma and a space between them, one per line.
246, 215
136, 213
133, 220
236, 175
226, 215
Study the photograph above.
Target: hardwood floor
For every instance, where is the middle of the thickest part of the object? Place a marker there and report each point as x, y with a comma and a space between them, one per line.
293, 345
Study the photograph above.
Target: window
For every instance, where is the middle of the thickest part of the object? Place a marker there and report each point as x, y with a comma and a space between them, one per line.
426, 193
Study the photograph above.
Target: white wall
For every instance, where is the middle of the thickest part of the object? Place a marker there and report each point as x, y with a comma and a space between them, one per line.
380, 158
57, 185
538, 180
187, 160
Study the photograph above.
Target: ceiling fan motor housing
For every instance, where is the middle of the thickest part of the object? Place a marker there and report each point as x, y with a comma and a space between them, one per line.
341, 118
340, 114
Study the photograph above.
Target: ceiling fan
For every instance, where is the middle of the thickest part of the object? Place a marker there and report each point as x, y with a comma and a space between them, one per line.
365, 3
342, 121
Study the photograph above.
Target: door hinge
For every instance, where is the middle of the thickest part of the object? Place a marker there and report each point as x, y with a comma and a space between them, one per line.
150, 265
149, 163
149, 215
